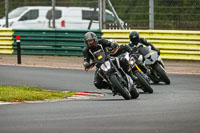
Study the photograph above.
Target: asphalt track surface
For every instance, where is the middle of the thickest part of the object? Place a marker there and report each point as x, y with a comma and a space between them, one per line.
171, 108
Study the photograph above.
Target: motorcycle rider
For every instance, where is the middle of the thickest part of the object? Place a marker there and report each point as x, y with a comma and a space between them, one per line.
116, 50
92, 45
135, 40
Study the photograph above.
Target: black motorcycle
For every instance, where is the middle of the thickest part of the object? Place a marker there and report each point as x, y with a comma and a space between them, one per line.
153, 65
110, 70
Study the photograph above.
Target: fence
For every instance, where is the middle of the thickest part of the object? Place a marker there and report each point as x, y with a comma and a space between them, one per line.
6, 41
180, 45
183, 45
167, 14
52, 42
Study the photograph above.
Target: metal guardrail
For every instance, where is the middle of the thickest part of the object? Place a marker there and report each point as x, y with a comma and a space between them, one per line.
51, 42
181, 45
6, 41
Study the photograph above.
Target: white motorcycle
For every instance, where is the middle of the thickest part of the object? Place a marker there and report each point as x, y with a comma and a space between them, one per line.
153, 65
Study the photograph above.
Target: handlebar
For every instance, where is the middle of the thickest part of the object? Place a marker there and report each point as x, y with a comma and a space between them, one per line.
90, 66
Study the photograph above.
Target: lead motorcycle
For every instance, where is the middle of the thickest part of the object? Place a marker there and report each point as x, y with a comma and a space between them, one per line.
153, 65
110, 70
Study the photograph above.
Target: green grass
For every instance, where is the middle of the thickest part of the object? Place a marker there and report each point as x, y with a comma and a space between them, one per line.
10, 93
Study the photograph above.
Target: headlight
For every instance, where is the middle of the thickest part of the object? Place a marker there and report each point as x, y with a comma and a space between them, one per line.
106, 66
132, 61
103, 67
107, 63
140, 58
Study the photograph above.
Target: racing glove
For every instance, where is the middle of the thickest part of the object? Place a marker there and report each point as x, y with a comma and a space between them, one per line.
86, 64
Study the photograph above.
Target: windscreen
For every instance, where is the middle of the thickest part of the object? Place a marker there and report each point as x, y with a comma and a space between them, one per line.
17, 12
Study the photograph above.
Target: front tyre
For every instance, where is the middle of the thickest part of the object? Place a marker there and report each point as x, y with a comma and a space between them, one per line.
161, 72
120, 89
145, 85
134, 93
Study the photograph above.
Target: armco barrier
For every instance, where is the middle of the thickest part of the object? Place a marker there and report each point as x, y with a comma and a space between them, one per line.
52, 42
6, 41
183, 45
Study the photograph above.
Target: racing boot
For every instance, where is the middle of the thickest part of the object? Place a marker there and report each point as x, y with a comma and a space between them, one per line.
102, 85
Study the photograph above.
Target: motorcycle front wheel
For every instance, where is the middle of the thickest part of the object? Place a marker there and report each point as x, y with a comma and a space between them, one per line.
134, 93
119, 87
162, 74
145, 85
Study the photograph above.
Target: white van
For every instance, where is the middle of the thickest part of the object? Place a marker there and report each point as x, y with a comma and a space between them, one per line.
40, 17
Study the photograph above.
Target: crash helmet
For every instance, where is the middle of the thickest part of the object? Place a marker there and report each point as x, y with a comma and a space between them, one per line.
134, 37
114, 47
90, 39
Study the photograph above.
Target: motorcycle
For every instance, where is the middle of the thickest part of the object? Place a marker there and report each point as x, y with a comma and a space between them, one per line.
143, 79
109, 69
153, 65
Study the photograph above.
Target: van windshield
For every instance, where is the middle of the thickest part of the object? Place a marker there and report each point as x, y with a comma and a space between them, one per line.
88, 14
16, 13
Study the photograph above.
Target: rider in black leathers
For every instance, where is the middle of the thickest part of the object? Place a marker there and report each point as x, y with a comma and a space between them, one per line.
135, 39
92, 45
116, 50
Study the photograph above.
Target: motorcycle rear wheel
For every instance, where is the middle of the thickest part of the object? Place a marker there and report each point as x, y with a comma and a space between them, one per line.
120, 89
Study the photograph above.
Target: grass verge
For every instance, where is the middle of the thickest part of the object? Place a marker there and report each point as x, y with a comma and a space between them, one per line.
12, 94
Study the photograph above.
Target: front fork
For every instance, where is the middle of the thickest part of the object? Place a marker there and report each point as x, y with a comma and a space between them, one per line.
147, 71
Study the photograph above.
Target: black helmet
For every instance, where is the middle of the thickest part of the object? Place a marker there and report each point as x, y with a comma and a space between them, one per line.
114, 47
134, 37
90, 39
